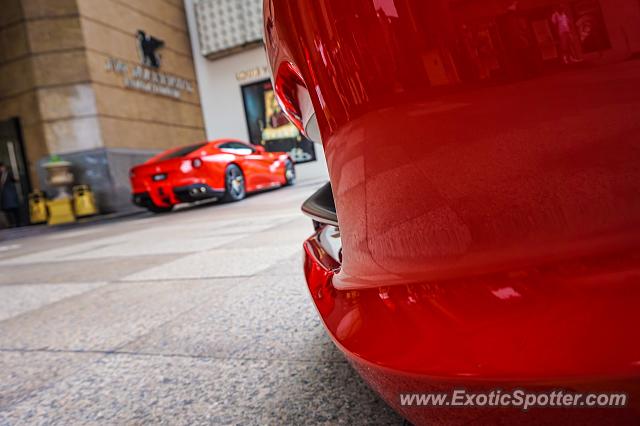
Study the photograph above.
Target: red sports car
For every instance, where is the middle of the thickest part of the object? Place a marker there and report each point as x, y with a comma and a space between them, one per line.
226, 169
482, 227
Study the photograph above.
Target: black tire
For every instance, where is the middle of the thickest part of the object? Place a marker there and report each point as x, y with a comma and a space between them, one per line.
234, 185
289, 173
157, 209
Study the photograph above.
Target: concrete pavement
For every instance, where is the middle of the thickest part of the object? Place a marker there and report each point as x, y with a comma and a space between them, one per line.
200, 316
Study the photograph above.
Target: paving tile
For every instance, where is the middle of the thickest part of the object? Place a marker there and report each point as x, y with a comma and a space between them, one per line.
61, 251
84, 233
158, 244
9, 248
55, 243
107, 317
228, 262
22, 373
245, 225
293, 231
18, 299
260, 318
89, 270
293, 265
129, 389
156, 241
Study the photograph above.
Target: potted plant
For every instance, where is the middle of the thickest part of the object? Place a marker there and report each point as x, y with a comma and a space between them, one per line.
59, 175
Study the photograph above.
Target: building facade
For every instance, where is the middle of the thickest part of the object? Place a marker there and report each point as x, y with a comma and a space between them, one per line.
234, 80
103, 84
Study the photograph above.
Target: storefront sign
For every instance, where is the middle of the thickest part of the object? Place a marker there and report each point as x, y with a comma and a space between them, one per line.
253, 73
145, 79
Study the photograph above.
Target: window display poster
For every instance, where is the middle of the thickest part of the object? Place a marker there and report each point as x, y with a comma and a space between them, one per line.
590, 26
268, 125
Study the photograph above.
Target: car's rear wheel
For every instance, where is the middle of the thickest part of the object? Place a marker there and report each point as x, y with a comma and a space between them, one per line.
234, 184
289, 173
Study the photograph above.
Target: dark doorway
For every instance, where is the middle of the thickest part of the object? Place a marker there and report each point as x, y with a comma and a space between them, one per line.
13, 155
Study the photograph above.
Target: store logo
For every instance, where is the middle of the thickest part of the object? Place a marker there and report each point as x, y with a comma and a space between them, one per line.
253, 73
147, 49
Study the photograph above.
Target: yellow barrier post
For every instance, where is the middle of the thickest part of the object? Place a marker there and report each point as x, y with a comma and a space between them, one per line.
37, 208
60, 211
84, 203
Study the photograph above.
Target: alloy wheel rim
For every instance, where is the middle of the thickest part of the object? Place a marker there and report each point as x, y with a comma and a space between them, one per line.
236, 182
289, 173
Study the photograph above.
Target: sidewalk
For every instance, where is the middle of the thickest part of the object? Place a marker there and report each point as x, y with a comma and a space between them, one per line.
201, 316
43, 229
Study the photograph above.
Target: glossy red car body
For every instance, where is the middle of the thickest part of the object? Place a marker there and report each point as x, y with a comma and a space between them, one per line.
196, 172
488, 194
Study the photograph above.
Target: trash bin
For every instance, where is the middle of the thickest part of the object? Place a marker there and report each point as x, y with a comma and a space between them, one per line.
37, 207
84, 203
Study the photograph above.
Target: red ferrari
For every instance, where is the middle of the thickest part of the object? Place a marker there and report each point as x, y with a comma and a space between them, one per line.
481, 230
225, 169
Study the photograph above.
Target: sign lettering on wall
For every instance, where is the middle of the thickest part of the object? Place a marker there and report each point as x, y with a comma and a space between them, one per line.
146, 80
253, 73
145, 77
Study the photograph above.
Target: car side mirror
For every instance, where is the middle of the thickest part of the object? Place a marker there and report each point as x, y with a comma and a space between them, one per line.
259, 149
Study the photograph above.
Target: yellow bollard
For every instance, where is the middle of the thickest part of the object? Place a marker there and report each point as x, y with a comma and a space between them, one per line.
84, 203
60, 211
37, 208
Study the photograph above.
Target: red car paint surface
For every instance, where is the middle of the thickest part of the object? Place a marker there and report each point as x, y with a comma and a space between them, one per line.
488, 194
261, 170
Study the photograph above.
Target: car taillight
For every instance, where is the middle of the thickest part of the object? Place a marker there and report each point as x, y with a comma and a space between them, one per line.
196, 163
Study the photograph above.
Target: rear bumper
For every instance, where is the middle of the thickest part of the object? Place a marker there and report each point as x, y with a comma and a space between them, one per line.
161, 196
142, 199
196, 192
540, 331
